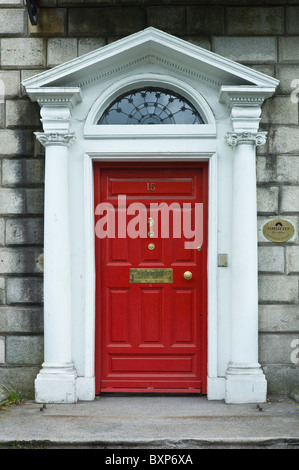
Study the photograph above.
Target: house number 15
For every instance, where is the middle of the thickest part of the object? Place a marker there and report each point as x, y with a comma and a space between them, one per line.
150, 186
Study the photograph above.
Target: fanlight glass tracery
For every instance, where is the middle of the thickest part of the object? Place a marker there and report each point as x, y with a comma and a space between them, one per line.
150, 106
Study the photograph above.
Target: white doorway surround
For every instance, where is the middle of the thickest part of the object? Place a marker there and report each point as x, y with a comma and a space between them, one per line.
72, 98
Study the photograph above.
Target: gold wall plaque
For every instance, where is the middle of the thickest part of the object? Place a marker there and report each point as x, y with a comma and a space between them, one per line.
151, 275
278, 230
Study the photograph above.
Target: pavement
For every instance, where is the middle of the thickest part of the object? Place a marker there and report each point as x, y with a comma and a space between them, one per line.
151, 422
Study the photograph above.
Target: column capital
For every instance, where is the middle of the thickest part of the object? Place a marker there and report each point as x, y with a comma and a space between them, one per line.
244, 103
55, 138
52, 96
244, 95
57, 105
255, 138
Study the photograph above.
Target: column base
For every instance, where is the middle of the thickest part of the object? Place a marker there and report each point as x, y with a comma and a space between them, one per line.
216, 388
56, 383
245, 383
85, 387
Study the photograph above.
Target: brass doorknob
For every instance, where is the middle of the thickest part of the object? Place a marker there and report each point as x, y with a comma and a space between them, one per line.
188, 275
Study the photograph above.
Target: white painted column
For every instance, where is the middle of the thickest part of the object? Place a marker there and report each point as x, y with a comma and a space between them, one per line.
245, 381
56, 381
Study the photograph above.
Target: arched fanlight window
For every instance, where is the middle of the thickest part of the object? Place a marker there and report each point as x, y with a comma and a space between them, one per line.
151, 106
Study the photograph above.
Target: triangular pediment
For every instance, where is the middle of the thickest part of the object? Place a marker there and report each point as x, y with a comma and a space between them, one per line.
150, 46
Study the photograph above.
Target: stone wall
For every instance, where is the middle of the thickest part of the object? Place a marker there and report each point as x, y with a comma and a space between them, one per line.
261, 34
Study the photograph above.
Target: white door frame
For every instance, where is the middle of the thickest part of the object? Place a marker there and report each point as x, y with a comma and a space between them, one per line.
209, 157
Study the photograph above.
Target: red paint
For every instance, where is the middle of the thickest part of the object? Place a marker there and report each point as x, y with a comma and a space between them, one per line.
151, 337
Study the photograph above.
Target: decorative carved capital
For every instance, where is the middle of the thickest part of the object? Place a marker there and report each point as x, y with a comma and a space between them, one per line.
261, 138
236, 138
55, 138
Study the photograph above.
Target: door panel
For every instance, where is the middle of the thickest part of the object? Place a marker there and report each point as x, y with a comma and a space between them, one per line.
150, 336
118, 314
151, 308
183, 316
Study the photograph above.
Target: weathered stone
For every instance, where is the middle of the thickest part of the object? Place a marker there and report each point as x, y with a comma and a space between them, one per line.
266, 169
284, 139
102, 21
61, 50
276, 348
34, 201
288, 76
169, 19
271, 259
20, 201
22, 113
12, 3
281, 378
24, 290
16, 142
22, 172
295, 394
12, 201
2, 114
278, 288
22, 231
19, 260
264, 68
289, 49
40, 262
51, 22
2, 361
12, 21
66, 3
2, 291
20, 378
24, 349
9, 84
27, 74
290, 199
89, 44
246, 49
21, 320
279, 110
203, 42
292, 258
287, 169
47, 3
278, 318
3, 394
2, 232
22, 52
205, 20
267, 200
292, 18
255, 21
281, 169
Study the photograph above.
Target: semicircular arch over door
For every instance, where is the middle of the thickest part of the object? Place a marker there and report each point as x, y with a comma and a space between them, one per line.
150, 105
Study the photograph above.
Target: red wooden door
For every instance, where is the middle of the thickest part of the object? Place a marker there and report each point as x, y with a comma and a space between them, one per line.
150, 335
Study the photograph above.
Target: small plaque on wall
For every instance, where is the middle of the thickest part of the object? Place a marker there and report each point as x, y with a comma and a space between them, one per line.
278, 230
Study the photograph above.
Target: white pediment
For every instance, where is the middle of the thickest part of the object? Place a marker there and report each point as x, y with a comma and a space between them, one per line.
150, 46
